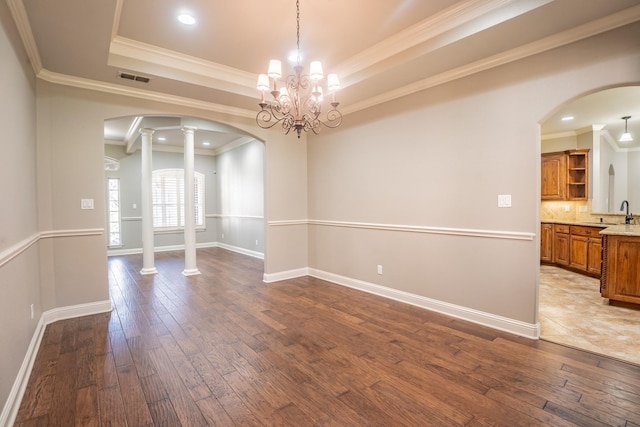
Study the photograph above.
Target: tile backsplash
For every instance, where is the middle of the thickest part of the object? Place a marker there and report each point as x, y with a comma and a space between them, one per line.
579, 211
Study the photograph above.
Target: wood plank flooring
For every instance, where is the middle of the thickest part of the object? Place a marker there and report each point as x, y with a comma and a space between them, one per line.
225, 349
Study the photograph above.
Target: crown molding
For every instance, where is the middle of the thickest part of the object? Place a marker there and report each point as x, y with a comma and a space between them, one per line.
24, 29
581, 32
567, 134
451, 18
241, 82
233, 144
82, 83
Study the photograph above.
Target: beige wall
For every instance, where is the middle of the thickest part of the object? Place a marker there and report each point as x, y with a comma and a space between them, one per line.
19, 277
74, 135
439, 159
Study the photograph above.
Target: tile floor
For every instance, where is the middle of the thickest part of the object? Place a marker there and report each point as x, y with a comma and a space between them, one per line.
573, 313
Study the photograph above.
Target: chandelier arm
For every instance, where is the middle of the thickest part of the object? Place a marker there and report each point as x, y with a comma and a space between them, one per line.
268, 117
334, 118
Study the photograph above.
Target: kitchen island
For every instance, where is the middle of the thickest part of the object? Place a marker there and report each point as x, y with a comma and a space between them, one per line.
620, 278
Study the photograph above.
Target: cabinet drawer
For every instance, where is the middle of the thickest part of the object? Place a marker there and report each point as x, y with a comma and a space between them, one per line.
561, 228
580, 230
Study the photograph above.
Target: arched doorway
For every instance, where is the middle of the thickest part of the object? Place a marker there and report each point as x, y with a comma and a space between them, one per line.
571, 309
230, 161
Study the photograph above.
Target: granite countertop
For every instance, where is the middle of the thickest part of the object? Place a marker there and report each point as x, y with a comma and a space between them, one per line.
586, 223
622, 230
608, 228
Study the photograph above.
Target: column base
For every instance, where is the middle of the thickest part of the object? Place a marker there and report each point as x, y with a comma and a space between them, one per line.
151, 270
191, 272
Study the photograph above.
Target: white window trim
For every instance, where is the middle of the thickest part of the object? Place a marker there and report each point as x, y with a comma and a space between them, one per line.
109, 212
199, 181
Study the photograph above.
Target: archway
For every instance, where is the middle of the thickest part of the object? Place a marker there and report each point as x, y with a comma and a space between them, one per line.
592, 121
228, 158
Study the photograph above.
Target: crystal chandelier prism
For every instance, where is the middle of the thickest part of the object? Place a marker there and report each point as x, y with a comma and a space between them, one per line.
297, 103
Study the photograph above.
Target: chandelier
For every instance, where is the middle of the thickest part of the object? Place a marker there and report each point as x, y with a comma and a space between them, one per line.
298, 102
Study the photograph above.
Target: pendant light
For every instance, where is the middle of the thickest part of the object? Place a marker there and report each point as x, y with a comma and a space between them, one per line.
626, 136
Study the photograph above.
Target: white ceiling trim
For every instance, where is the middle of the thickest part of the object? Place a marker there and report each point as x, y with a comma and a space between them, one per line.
138, 56
613, 142
132, 134
234, 144
455, 16
24, 29
115, 89
116, 19
557, 135
581, 32
239, 78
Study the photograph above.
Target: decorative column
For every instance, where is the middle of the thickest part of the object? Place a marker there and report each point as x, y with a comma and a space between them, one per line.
597, 190
148, 266
190, 267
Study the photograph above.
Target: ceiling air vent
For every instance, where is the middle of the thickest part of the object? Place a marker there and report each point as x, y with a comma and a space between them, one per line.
129, 76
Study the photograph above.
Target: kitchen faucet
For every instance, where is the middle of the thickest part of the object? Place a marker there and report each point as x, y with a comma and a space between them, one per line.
628, 217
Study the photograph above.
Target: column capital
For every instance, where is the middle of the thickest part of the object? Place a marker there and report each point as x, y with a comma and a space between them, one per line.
189, 129
146, 131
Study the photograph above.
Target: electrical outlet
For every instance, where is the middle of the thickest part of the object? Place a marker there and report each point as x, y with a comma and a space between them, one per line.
32, 312
379, 269
223, 235
256, 243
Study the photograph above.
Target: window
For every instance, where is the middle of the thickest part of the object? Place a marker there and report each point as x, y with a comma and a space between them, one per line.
168, 198
115, 237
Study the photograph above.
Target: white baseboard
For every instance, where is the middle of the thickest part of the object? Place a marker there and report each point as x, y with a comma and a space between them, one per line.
240, 250
527, 330
72, 311
12, 405
284, 275
137, 251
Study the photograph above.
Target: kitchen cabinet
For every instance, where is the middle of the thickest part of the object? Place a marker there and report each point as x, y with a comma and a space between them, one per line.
577, 174
565, 175
594, 257
553, 173
585, 246
546, 242
578, 252
575, 247
561, 244
620, 279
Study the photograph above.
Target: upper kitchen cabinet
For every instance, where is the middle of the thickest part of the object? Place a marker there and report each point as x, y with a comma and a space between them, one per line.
554, 173
577, 174
565, 175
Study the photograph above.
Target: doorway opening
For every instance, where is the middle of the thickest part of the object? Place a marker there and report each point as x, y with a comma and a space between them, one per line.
228, 164
571, 309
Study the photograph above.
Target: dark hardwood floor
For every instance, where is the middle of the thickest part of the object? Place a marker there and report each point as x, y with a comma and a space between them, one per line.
226, 349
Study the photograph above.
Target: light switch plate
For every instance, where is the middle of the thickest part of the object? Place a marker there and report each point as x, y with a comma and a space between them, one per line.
86, 203
504, 200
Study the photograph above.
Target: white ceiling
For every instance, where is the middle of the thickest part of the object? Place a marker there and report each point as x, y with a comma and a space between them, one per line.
381, 49
604, 108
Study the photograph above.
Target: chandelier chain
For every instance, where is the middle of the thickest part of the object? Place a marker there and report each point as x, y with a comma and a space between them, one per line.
298, 30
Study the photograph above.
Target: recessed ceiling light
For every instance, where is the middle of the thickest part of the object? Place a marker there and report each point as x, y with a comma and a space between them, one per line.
567, 118
186, 19
206, 143
162, 138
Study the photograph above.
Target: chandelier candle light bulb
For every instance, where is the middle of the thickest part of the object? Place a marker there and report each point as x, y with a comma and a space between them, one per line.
298, 103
